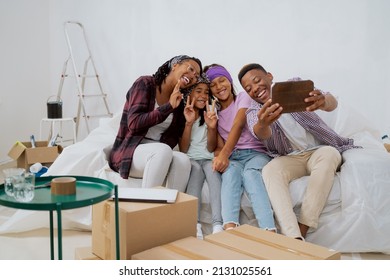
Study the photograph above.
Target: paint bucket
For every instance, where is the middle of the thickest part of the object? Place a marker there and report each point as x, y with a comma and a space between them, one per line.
54, 107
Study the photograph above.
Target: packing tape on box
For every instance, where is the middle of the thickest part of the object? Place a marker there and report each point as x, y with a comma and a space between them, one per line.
271, 244
184, 252
18, 143
63, 185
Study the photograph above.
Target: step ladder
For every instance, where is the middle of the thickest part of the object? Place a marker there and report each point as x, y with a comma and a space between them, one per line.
80, 78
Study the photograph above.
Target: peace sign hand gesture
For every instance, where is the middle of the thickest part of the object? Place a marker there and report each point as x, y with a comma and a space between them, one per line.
210, 116
189, 112
176, 96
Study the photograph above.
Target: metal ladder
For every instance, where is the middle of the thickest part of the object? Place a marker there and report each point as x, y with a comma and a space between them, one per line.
80, 79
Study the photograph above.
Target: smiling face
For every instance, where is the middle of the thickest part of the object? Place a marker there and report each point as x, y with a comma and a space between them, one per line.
187, 72
257, 84
201, 95
221, 88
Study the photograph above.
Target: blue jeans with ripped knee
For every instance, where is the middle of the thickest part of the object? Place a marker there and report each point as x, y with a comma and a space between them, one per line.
244, 173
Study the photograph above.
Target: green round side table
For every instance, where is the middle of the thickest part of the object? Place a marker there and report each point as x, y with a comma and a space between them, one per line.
89, 191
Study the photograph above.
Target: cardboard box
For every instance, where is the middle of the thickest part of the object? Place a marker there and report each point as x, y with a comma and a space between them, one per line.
26, 156
85, 253
190, 248
142, 225
262, 244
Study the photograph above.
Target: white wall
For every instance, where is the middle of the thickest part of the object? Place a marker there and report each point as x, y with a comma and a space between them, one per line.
343, 46
24, 69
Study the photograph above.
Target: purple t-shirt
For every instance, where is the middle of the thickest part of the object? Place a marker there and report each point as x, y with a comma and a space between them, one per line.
226, 119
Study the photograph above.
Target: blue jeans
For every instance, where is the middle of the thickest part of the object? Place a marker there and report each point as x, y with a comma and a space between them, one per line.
244, 172
202, 170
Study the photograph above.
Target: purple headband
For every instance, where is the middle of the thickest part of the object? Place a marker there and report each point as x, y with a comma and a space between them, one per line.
218, 71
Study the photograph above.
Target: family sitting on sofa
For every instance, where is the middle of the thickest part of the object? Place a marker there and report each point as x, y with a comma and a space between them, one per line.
322, 176
233, 154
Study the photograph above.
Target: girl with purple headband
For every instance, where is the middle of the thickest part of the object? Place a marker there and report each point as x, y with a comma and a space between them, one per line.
239, 156
152, 123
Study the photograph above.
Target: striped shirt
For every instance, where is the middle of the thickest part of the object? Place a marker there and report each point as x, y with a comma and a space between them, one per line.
279, 145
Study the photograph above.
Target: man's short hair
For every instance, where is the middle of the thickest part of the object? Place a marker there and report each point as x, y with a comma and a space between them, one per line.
248, 68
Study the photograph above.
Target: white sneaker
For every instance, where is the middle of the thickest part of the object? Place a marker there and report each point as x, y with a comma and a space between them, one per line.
217, 228
199, 232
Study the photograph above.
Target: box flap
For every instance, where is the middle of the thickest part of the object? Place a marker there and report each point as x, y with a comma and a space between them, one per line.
17, 149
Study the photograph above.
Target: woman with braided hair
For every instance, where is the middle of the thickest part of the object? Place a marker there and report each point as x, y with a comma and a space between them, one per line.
152, 123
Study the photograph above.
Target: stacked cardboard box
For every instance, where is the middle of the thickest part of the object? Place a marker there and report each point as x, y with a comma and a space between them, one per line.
190, 248
142, 225
166, 231
242, 243
262, 244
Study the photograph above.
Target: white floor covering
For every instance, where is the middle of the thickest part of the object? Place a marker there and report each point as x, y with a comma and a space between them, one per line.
35, 245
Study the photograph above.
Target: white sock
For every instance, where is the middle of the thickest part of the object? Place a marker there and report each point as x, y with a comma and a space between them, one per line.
199, 232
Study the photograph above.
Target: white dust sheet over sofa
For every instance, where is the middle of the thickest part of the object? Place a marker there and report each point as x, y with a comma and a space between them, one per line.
355, 219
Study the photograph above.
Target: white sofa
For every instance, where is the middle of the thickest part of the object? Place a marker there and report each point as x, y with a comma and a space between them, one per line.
355, 219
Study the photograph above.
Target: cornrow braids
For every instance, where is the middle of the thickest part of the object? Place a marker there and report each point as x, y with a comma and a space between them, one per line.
162, 73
